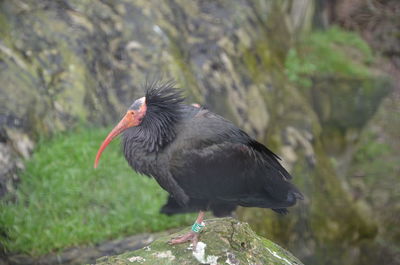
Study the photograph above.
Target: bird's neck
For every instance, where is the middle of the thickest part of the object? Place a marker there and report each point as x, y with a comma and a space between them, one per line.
156, 131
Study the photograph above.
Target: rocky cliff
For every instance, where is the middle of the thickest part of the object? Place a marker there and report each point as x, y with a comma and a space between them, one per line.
64, 63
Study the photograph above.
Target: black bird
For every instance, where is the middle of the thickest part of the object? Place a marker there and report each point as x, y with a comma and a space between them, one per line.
201, 159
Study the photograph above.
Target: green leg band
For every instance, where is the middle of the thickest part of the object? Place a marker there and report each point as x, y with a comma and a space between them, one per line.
196, 227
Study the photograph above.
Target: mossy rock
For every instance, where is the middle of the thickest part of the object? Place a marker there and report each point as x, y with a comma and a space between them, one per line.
224, 241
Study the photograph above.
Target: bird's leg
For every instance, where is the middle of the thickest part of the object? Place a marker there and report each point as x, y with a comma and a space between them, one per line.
193, 235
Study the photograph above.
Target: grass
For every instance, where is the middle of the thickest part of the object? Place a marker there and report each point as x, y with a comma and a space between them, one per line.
62, 201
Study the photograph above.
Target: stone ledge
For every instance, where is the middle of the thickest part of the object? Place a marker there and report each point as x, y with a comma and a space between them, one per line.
224, 241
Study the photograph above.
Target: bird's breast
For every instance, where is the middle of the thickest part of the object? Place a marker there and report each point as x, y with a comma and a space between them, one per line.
139, 158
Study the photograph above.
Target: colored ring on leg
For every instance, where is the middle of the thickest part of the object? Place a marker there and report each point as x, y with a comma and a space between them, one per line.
196, 227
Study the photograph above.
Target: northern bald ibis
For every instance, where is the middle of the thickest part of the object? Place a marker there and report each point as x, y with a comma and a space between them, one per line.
202, 160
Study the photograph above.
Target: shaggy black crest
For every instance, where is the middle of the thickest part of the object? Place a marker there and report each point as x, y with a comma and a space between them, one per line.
164, 109
163, 97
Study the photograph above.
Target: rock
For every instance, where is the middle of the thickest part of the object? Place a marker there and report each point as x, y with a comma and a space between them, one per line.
224, 241
86, 254
14, 146
64, 63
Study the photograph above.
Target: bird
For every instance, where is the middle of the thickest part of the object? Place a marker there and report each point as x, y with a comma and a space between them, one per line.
204, 161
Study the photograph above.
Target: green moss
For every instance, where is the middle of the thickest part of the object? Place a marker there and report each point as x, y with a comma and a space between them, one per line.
377, 161
338, 36
71, 100
258, 59
185, 76
331, 52
226, 241
4, 28
365, 158
374, 174
339, 225
62, 201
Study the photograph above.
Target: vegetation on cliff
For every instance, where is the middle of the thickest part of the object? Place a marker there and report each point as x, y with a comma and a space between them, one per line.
308, 95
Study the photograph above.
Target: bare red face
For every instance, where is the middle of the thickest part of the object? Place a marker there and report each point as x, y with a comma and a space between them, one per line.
133, 117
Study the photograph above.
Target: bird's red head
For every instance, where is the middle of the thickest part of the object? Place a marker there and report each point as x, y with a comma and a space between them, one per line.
133, 117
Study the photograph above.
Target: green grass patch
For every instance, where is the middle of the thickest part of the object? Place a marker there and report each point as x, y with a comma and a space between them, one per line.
331, 52
62, 201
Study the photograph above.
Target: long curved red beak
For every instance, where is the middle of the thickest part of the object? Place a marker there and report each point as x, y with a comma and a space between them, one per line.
127, 121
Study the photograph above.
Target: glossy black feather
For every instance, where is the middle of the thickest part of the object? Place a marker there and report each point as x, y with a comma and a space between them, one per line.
203, 160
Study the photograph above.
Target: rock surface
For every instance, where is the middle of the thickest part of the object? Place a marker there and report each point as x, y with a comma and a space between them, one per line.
68, 62
224, 241
85, 254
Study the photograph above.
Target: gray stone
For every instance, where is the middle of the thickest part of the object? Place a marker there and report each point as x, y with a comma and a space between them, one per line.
224, 241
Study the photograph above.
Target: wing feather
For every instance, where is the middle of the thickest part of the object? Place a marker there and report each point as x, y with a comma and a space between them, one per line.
215, 160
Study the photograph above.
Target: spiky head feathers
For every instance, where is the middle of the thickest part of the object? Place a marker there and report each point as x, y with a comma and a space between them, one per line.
163, 103
163, 96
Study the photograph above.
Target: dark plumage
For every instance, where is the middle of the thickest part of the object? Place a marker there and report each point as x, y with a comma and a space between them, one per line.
204, 161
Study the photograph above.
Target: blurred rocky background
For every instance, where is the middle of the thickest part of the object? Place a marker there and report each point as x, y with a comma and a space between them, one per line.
317, 81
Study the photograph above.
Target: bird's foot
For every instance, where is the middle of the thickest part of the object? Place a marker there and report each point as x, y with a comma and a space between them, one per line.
190, 236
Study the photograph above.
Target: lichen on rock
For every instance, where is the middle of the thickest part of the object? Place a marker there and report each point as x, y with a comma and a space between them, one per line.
224, 241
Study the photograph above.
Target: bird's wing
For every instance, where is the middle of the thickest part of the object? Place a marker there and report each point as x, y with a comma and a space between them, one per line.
212, 158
